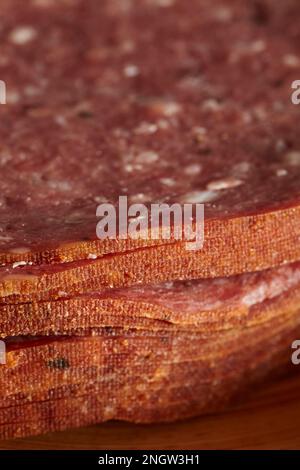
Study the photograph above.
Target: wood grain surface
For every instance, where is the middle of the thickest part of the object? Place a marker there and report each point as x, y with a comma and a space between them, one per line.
268, 419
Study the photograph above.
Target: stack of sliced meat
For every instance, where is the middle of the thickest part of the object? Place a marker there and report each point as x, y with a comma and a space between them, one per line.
163, 101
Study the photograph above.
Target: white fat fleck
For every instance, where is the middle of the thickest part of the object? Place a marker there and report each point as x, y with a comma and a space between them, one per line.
291, 60
163, 124
31, 90
257, 295
167, 108
292, 158
92, 256
62, 293
147, 157
22, 35
138, 218
12, 97
21, 250
278, 105
5, 157
146, 128
140, 197
246, 117
131, 70
199, 131
60, 185
43, 3
5, 238
192, 169
21, 263
199, 197
129, 168
60, 120
168, 181
169, 284
242, 49
260, 112
241, 168
190, 82
281, 172
164, 3
280, 145
227, 183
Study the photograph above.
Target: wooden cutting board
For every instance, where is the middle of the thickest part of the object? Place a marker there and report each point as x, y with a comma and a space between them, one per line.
268, 419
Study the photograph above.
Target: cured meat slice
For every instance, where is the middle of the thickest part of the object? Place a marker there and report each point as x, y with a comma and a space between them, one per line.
202, 305
124, 374
99, 105
220, 257
195, 109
